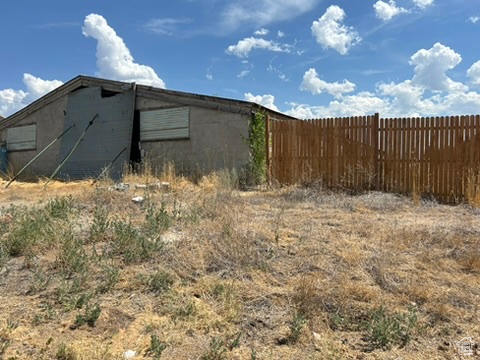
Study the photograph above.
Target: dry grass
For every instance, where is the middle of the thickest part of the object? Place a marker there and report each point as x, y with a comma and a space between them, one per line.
216, 273
472, 188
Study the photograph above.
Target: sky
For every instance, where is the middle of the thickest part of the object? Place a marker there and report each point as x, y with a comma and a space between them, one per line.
305, 58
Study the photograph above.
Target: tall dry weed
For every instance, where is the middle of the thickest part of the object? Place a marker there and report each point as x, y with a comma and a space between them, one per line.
472, 188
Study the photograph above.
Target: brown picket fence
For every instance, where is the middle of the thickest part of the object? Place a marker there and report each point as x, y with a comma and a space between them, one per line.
439, 156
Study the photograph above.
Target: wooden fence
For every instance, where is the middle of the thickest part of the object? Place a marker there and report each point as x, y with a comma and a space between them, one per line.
439, 156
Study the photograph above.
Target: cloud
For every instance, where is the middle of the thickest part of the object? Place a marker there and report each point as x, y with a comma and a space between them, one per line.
280, 34
274, 70
37, 87
474, 73
303, 111
166, 26
460, 103
430, 67
13, 100
114, 60
311, 82
363, 103
243, 48
474, 19
243, 74
331, 33
367, 103
386, 11
209, 76
259, 13
262, 32
265, 100
423, 4
429, 93
405, 96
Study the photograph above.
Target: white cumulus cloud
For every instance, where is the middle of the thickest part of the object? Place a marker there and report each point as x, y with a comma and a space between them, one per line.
363, 103
331, 33
114, 60
386, 11
474, 73
243, 48
37, 87
430, 92
423, 4
461, 103
265, 100
405, 92
13, 100
430, 67
404, 95
311, 82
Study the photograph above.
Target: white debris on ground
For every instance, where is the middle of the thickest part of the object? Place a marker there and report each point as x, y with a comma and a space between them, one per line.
138, 199
121, 187
129, 354
124, 187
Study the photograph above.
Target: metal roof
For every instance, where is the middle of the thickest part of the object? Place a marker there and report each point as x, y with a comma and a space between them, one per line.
183, 98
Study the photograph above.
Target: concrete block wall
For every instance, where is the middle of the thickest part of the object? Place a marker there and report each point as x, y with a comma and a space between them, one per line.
217, 141
50, 123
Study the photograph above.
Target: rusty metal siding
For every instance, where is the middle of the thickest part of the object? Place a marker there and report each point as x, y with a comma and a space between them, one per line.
110, 133
165, 124
22, 138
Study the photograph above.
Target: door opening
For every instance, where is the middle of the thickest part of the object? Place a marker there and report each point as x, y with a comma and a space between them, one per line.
135, 154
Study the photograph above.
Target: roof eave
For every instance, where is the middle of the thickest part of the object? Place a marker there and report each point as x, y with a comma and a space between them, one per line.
206, 101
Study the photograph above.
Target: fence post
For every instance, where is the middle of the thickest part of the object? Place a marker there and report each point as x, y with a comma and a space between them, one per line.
267, 148
376, 134
335, 151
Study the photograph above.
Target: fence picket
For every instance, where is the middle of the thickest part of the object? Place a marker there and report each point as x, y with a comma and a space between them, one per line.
437, 155
443, 169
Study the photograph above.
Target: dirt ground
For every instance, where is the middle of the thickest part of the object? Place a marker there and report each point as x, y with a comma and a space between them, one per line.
206, 271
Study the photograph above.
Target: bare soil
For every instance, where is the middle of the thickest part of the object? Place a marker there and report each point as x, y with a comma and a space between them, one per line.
287, 273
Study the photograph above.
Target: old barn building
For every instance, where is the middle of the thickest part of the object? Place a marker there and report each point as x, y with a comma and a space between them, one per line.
127, 122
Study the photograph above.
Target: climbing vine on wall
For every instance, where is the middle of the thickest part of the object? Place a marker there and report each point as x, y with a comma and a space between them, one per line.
256, 170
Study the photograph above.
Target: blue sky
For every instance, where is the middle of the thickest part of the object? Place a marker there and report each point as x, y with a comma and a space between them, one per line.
307, 58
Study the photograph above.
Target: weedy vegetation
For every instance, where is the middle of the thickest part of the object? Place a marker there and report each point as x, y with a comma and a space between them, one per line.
156, 347
207, 270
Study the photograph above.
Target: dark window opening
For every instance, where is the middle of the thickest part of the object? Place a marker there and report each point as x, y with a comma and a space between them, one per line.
135, 155
108, 93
